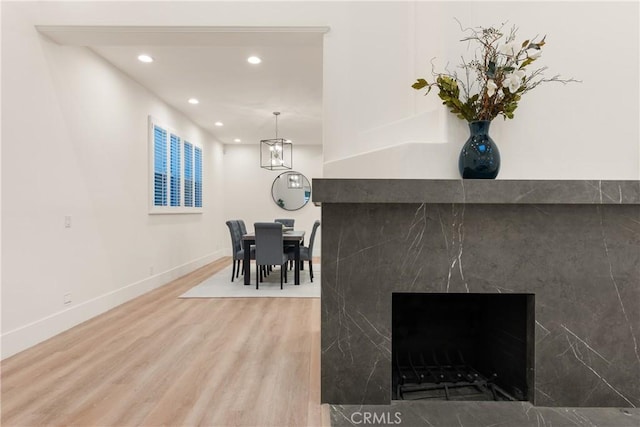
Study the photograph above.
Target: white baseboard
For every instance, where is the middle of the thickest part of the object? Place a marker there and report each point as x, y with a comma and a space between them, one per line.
26, 336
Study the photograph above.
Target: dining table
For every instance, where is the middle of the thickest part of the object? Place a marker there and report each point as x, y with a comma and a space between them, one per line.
289, 237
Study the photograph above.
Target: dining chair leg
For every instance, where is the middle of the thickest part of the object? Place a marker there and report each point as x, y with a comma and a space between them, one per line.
311, 271
233, 270
257, 275
282, 267
239, 269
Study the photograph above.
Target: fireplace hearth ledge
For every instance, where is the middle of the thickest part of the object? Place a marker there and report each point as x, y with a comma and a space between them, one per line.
574, 244
479, 414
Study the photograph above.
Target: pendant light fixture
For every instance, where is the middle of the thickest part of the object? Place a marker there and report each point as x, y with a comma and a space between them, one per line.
276, 153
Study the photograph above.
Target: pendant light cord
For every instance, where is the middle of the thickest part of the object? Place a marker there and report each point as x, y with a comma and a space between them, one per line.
276, 113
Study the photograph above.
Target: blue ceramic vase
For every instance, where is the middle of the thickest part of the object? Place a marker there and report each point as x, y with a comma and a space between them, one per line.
480, 157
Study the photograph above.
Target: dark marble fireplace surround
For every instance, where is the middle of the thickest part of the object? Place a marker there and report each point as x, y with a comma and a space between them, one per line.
574, 244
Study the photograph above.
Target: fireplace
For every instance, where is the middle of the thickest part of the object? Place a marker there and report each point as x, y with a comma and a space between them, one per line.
572, 244
462, 346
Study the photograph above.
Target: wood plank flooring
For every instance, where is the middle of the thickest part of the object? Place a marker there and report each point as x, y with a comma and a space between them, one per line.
161, 360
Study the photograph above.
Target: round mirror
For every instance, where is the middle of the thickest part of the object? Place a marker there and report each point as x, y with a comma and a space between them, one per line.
291, 190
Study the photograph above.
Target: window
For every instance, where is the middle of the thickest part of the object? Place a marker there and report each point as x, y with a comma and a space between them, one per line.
188, 174
197, 179
160, 166
176, 171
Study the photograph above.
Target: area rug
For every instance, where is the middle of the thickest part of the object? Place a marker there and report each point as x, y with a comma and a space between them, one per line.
220, 286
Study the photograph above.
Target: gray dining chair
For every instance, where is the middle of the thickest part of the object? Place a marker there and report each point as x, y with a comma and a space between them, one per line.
243, 231
237, 251
306, 252
269, 248
243, 227
287, 222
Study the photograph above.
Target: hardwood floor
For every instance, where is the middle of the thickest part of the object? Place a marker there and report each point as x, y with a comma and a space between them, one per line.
162, 360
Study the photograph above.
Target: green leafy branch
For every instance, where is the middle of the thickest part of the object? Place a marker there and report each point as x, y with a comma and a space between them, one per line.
500, 75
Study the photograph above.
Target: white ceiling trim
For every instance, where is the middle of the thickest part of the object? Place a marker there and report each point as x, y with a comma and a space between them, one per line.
72, 35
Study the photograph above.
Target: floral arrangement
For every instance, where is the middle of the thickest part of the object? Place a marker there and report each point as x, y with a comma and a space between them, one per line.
495, 79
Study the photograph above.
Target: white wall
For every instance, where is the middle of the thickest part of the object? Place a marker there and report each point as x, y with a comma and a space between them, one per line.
375, 50
74, 143
248, 189
578, 131
587, 130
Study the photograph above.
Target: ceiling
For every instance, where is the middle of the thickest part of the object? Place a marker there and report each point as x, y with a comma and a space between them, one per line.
210, 64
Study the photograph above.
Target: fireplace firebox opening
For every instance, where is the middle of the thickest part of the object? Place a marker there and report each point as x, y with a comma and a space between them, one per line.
462, 346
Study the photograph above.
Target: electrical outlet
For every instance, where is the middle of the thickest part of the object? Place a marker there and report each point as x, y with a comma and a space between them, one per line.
67, 299
67, 221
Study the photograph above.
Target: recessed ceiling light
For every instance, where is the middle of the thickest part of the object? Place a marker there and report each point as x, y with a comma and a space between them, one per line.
237, 140
145, 58
193, 101
219, 124
254, 60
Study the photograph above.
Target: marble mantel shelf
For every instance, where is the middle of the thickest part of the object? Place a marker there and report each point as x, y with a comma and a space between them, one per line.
475, 191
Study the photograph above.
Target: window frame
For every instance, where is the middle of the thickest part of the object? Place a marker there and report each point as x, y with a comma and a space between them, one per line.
169, 169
